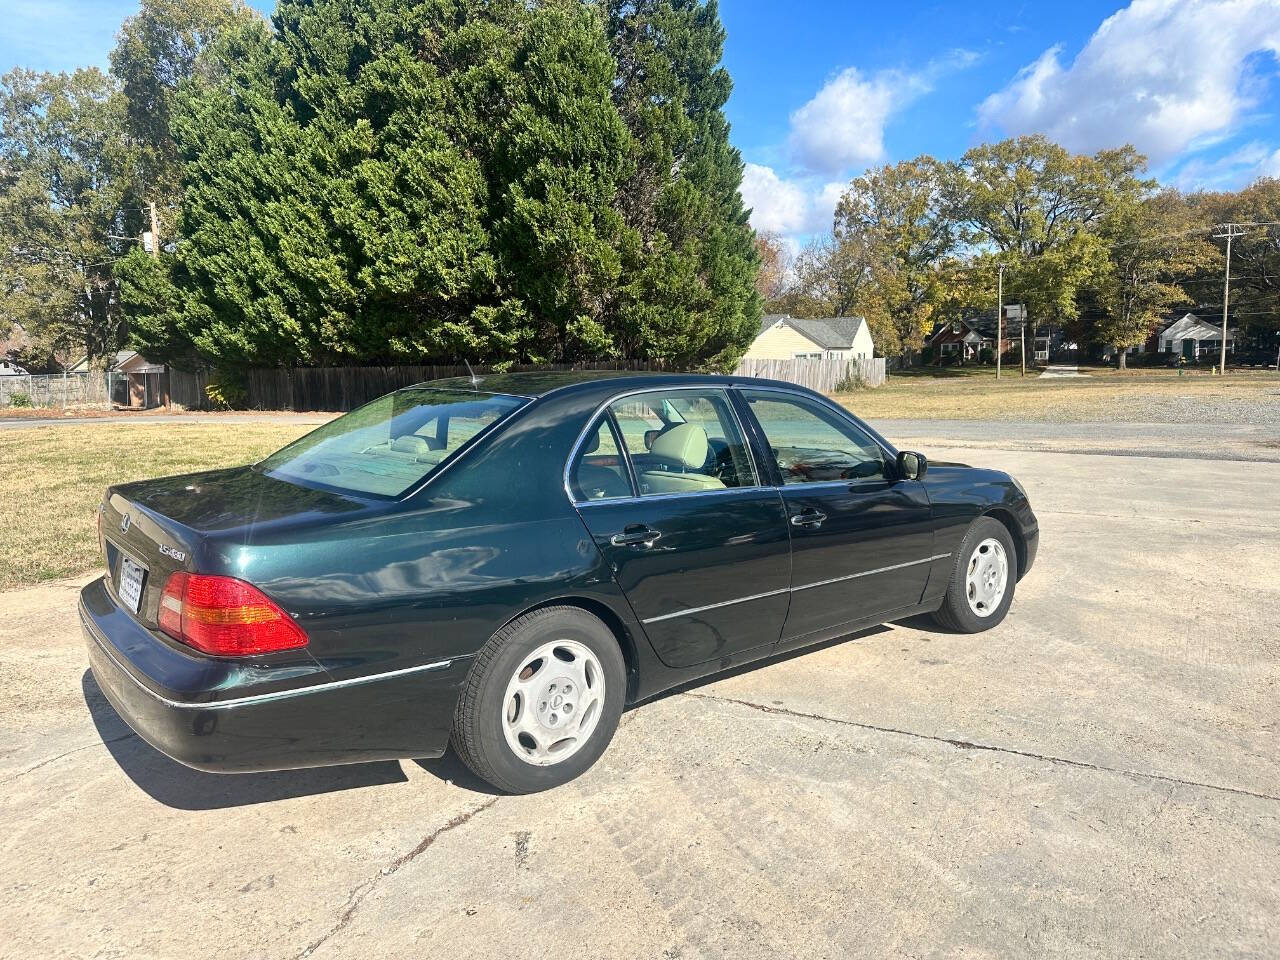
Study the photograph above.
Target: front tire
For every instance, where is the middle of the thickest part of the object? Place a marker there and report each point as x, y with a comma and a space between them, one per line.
983, 575
542, 700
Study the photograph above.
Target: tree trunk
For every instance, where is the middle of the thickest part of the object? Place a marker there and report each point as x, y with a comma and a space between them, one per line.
1123, 353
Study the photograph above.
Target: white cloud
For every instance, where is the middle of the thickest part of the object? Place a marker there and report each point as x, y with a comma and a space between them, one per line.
1164, 75
777, 205
788, 207
1230, 171
842, 127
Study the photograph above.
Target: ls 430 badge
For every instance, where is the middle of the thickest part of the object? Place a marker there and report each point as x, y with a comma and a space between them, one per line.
168, 551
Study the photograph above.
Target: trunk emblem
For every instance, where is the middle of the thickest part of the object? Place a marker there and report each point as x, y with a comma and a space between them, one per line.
124, 523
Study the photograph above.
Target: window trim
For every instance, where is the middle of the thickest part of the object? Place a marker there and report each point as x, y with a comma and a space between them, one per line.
725, 389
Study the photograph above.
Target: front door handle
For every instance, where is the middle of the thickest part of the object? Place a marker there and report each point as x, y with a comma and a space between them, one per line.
636, 536
808, 517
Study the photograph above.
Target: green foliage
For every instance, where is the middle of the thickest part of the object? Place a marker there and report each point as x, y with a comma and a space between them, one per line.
899, 212
227, 390
689, 260
1038, 207
157, 49
66, 170
986, 355
1151, 245
19, 399
373, 180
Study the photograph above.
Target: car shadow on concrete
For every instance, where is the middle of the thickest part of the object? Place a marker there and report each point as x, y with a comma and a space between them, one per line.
180, 787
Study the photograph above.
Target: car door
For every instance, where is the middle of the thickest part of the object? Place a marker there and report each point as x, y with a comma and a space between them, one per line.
861, 537
667, 486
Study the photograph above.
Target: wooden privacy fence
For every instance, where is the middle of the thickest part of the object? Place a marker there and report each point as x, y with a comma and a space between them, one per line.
345, 388
818, 373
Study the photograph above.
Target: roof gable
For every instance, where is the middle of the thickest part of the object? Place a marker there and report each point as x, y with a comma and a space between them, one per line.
830, 333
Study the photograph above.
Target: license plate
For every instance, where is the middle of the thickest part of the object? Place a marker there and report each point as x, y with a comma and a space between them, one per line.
131, 577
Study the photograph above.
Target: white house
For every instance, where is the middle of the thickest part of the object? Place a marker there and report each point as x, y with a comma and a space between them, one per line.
784, 337
10, 369
1192, 338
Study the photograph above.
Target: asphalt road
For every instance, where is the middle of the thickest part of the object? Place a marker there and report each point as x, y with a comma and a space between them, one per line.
1097, 777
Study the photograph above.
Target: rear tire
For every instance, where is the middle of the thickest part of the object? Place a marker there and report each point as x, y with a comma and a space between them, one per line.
542, 700
983, 575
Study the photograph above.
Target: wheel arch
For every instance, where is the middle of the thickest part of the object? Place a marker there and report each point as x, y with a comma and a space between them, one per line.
1011, 524
610, 618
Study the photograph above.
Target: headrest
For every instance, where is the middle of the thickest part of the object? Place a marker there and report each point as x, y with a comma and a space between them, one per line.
593, 444
686, 444
411, 443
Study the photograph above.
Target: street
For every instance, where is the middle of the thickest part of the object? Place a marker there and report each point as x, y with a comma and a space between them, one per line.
1097, 777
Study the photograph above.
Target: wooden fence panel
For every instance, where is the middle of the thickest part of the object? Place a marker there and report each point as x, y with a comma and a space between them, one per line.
824, 374
345, 388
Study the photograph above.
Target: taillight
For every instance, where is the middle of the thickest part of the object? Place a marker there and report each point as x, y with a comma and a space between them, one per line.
225, 617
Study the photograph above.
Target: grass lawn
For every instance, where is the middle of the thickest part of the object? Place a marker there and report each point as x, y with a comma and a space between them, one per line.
974, 393
53, 479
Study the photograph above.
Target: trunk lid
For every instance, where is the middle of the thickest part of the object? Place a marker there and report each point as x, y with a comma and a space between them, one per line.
163, 526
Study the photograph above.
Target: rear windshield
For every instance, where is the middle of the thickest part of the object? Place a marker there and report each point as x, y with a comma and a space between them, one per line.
389, 446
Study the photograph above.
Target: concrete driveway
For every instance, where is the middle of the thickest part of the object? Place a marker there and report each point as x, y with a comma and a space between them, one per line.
1097, 777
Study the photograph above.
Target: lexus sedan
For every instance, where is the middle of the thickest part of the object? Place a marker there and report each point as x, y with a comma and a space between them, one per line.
503, 563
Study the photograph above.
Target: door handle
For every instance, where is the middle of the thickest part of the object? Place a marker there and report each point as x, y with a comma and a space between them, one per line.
639, 536
808, 517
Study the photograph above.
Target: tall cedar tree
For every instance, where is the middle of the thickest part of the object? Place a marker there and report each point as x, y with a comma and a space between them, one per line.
689, 265
380, 181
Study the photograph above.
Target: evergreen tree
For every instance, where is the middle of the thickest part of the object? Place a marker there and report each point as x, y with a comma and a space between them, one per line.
688, 290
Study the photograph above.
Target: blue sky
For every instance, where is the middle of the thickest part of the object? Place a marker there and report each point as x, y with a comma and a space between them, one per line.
823, 90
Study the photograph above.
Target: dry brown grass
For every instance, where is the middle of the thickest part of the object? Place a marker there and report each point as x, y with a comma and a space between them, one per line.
1105, 394
52, 479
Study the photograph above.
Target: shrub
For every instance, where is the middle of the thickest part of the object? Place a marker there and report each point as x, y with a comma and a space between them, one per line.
986, 355
227, 391
19, 399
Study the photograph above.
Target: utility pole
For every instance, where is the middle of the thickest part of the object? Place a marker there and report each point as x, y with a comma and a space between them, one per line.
999, 316
1227, 231
1022, 341
155, 231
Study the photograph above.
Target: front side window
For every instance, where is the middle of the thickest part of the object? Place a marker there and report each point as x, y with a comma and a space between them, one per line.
812, 444
683, 441
389, 446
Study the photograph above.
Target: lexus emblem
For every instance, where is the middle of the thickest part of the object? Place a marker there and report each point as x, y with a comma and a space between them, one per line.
124, 523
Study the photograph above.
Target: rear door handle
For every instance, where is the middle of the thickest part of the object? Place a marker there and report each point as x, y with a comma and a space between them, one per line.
808, 517
639, 536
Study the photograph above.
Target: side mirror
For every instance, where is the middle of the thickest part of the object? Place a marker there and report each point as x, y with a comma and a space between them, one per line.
912, 466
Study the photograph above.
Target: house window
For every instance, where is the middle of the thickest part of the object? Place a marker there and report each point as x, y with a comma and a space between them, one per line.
950, 346
807, 356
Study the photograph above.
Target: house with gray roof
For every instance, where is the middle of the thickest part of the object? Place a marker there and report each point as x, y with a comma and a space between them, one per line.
784, 337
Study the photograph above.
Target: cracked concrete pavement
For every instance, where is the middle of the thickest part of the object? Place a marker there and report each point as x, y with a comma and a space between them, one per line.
1097, 777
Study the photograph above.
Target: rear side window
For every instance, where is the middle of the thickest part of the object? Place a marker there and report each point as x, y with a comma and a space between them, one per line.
683, 441
600, 472
387, 447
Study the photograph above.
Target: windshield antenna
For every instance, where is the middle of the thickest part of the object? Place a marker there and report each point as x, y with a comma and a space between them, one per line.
475, 381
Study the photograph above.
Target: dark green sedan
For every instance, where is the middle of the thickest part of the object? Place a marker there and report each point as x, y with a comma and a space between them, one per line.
506, 562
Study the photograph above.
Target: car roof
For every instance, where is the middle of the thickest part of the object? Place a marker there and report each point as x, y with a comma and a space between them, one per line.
541, 383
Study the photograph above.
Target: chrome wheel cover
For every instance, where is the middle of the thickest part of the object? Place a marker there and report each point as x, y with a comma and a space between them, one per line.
553, 702
987, 577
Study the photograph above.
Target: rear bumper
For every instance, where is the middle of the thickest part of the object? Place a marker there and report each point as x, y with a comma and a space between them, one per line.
321, 721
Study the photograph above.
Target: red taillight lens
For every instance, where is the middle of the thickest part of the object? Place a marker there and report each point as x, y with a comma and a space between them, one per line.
225, 617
